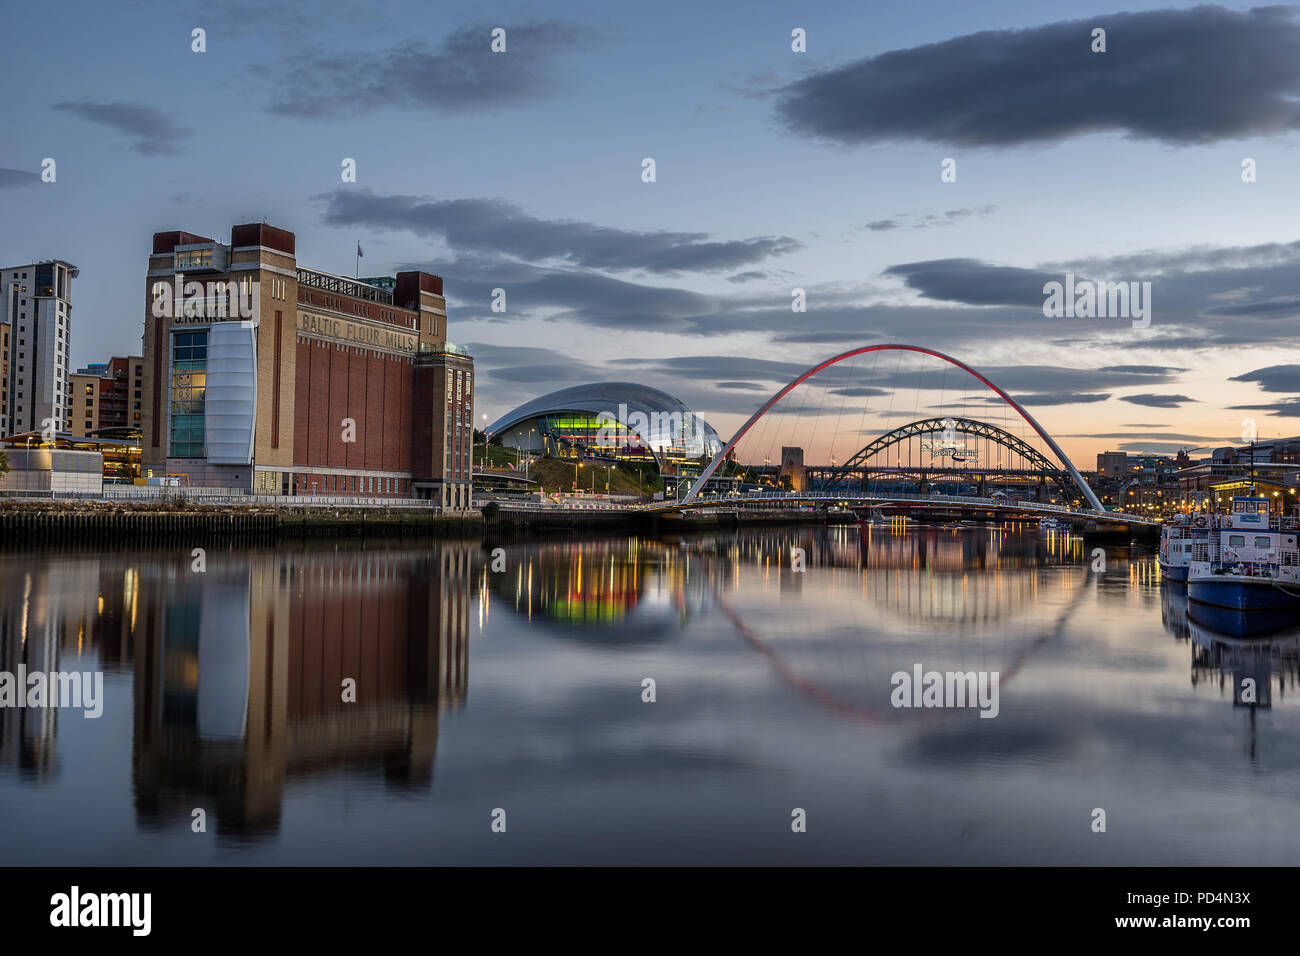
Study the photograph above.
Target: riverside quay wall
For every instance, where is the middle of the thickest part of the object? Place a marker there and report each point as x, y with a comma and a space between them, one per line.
42, 524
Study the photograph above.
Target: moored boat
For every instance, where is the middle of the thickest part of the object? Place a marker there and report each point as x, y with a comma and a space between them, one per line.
1176, 537
1248, 561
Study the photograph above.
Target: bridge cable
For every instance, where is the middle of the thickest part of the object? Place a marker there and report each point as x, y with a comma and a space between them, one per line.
835, 434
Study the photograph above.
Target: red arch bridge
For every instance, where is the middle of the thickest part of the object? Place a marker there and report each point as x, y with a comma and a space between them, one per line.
837, 483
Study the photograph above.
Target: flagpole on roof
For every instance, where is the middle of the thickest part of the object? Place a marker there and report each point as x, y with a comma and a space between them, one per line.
357, 274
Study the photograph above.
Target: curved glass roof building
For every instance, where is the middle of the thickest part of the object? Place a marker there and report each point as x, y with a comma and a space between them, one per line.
610, 420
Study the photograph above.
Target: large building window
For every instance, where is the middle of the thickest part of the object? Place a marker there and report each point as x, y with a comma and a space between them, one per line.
193, 259
189, 378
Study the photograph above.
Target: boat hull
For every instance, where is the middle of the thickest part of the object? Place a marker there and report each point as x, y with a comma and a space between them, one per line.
1242, 594
1231, 623
1173, 572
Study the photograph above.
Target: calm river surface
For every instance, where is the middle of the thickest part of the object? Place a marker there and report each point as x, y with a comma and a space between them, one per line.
521, 690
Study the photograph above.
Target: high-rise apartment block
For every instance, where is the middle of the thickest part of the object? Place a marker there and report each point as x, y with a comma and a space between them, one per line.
35, 344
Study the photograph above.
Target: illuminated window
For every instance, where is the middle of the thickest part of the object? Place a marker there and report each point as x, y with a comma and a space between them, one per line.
188, 386
194, 259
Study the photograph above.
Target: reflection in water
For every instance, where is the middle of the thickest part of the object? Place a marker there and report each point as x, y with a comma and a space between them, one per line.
627, 591
239, 676
1228, 656
956, 582
238, 671
224, 691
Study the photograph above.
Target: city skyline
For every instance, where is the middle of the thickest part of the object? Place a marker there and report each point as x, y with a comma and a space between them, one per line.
775, 171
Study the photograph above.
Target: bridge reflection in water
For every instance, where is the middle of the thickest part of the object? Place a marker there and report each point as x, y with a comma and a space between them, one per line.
978, 595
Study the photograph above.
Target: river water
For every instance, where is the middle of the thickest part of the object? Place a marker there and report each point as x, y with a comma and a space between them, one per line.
502, 709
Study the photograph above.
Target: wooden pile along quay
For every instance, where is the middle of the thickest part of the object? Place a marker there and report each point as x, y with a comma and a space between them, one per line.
30, 523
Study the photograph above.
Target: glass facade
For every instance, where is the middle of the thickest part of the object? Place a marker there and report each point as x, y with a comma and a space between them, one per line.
189, 380
622, 420
194, 259
576, 433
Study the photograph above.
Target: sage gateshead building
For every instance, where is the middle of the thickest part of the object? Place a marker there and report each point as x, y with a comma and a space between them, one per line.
265, 376
614, 420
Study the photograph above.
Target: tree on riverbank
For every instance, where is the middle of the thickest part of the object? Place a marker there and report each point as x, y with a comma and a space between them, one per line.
4, 464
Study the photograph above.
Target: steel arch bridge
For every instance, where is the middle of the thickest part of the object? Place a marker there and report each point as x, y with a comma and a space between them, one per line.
1089, 495
866, 461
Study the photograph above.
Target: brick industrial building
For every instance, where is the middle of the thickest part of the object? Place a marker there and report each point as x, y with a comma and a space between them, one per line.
267, 376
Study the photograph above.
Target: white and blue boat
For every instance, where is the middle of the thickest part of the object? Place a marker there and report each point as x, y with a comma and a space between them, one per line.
1176, 536
1248, 561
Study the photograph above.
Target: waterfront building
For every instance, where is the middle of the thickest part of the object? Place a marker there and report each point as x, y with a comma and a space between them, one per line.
107, 395
1265, 461
36, 341
621, 421
68, 462
267, 376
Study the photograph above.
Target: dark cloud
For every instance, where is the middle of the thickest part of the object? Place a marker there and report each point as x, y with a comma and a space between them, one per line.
1275, 378
1272, 308
742, 386
1031, 400
1035, 380
459, 75
1163, 436
1157, 447
1287, 408
495, 226
751, 276
1190, 291
17, 178
1028, 384
1156, 401
585, 297
860, 391
731, 367
149, 131
972, 282
1179, 76
947, 218
956, 214
1039, 399
1162, 372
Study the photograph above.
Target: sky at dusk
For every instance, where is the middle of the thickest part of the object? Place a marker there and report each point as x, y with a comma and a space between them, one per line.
775, 170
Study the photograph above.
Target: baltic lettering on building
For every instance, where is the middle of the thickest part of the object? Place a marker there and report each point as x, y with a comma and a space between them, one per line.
356, 333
